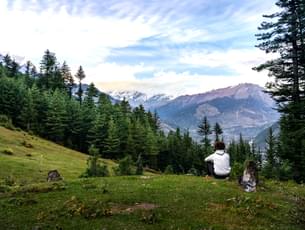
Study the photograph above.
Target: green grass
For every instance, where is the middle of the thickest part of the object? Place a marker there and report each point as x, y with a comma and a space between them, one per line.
180, 202
32, 164
133, 202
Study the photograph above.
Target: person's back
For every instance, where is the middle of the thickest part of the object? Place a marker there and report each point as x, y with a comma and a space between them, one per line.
218, 163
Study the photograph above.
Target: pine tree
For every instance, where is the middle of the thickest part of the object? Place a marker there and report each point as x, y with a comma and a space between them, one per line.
204, 129
92, 91
270, 166
7, 61
112, 142
151, 148
14, 69
48, 69
284, 35
28, 114
271, 148
29, 80
80, 75
74, 124
98, 133
56, 117
12, 95
218, 131
68, 78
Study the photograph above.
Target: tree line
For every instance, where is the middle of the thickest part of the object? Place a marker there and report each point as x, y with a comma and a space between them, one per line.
44, 103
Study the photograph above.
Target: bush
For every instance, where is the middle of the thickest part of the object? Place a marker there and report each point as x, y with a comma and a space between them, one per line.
285, 171
8, 151
125, 166
169, 170
27, 144
237, 170
95, 168
6, 122
269, 172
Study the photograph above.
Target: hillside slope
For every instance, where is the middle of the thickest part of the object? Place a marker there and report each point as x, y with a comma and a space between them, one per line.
32, 163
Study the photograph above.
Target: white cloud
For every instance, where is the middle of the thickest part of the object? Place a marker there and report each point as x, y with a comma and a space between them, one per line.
80, 39
240, 61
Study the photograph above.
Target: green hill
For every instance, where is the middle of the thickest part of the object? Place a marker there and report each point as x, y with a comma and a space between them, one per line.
32, 157
130, 202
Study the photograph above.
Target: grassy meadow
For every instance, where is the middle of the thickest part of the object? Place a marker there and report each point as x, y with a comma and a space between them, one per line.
130, 202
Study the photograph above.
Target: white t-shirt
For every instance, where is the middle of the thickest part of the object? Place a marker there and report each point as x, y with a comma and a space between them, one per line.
221, 161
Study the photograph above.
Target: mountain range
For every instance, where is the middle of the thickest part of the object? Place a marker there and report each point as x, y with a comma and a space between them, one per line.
244, 108
136, 98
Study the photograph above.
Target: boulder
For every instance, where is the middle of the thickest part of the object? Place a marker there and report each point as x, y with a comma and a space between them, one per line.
53, 175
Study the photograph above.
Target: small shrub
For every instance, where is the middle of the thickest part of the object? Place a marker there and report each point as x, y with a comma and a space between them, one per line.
169, 170
90, 210
95, 168
27, 144
39, 188
8, 151
193, 171
125, 166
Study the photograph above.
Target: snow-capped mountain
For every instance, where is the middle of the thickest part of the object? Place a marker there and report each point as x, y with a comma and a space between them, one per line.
136, 98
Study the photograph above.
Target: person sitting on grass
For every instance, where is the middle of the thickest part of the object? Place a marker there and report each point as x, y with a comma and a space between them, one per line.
218, 163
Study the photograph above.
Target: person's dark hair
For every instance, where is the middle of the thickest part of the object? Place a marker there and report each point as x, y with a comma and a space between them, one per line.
219, 145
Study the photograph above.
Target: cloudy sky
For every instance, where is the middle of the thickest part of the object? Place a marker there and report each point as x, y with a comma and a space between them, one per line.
155, 46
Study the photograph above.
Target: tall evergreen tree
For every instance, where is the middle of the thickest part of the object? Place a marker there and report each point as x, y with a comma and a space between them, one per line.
56, 119
204, 129
80, 75
218, 131
270, 166
68, 78
284, 34
112, 142
28, 114
48, 69
271, 148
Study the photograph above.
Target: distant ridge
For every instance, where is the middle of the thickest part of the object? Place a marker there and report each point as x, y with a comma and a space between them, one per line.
244, 108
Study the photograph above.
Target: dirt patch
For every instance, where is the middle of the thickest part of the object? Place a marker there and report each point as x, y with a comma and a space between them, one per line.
132, 208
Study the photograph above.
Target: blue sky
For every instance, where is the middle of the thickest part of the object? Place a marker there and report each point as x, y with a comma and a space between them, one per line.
158, 46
